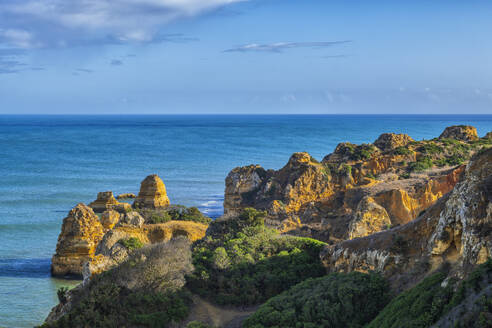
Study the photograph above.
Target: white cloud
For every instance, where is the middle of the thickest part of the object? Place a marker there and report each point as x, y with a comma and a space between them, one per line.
280, 46
62, 22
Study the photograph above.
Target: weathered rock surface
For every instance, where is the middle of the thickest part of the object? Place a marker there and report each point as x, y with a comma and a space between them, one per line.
132, 218
126, 196
326, 200
152, 193
369, 218
389, 141
109, 219
460, 132
456, 230
110, 252
81, 232
106, 201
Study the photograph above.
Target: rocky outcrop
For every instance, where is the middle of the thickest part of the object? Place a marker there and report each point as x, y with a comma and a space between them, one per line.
109, 219
370, 217
327, 200
460, 132
80, 234
152, 193
389, 141
126, 196
457, 230
110, 252
106, 201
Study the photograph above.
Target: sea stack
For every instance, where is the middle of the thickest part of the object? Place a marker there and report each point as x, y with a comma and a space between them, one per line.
81, 232
152, 193
106, 201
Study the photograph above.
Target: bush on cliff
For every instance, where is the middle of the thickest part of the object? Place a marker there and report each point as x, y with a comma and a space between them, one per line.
242, 262
144, 291
174, 212
424, 304
336, 300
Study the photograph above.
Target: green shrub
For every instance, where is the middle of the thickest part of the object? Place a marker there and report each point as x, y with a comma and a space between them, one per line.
174, 212
402, 151
336, 300
160, 217
197, 324
430, 148
424, 304
242, 262
131, 243
422, 164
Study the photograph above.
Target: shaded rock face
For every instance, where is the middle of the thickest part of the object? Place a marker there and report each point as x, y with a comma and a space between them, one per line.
460, 132
152, 193
389, 141
77, 242
456, 230
106, 201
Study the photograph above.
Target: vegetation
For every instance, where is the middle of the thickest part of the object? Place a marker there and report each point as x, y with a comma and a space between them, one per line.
243, 262
131, 243
430, 148
108, 305
174, 212
422, 164
144, 291
402, 151
335, 300
426, 303
62, 294
361, 152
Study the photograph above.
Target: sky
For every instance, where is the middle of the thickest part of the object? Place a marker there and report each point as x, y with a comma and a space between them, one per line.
245, 57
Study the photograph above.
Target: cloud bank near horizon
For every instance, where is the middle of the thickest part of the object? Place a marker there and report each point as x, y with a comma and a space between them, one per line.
30, 24
281, 46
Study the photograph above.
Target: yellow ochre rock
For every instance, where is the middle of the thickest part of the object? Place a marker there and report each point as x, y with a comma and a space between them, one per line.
460, 132
152, 193
106, 201
81, 232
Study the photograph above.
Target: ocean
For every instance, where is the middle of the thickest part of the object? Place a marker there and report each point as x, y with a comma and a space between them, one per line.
48, 164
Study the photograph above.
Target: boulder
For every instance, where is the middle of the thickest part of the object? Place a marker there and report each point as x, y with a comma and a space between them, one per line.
152, 193
109, 219
390, 141
131, 219
460, 132
106, 201
81, 232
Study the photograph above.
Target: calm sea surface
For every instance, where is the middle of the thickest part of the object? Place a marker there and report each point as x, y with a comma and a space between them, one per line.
50, 163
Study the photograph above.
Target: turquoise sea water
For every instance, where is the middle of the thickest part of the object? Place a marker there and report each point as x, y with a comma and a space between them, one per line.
50, 163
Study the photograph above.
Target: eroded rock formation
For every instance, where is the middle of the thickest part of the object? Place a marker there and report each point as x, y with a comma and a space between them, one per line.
81, 232
106, 201
333, 200
152, 193
456, 230
460, 132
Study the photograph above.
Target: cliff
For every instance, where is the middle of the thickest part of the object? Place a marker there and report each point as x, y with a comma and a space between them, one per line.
455, 232
358, 189
90, 243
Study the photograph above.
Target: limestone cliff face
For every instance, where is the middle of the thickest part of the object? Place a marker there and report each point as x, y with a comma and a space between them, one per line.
152, 193
460, 132
332, 200
456, 230
80, 234
106, 201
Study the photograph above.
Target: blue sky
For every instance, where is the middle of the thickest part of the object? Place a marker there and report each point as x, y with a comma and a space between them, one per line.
256, 56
